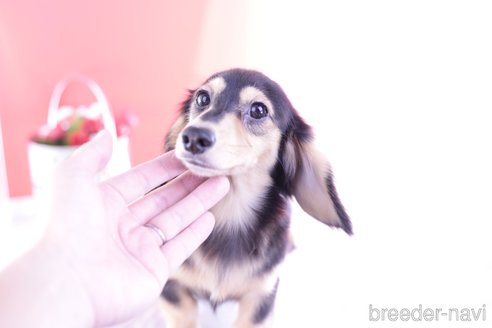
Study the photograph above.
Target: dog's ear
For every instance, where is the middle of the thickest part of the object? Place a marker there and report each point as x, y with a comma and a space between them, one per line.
173, 133
179, 124
311, 179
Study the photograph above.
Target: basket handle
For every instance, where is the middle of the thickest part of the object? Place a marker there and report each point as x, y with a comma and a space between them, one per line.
107, 117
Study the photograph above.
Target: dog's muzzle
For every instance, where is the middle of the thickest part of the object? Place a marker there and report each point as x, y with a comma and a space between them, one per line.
197, 140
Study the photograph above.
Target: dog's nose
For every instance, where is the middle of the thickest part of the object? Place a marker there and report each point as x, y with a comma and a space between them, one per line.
197, 140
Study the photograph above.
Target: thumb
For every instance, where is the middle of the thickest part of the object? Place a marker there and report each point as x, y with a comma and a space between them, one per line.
91, 157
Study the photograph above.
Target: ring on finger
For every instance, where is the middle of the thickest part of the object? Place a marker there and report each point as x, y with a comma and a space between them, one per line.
158, 232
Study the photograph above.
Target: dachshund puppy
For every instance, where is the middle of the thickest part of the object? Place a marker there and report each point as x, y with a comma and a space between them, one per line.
240, 124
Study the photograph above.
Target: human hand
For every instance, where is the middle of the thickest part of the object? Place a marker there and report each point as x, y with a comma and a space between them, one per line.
97, 229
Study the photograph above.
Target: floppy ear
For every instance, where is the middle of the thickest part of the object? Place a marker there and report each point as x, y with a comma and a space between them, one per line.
311, 178
174, 131
179, 124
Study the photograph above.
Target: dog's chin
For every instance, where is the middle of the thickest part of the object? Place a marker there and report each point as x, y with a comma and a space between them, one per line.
203, 171
202, 168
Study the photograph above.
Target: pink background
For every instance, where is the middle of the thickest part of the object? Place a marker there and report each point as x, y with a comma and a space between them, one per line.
399, 94
143, 55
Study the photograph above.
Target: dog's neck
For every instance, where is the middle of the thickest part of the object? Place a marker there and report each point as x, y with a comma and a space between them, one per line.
245, 197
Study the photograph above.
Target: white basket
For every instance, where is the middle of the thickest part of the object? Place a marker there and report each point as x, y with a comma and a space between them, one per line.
43, 158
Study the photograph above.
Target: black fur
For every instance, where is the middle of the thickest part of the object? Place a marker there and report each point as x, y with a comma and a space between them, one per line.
266, 306
265, 240
171, 292
269, 232
236, 79
298, 131
342, 214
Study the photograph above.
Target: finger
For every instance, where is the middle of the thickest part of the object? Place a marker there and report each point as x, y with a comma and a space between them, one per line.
91, 157
157, 201
178, 249
177, 217
145, 177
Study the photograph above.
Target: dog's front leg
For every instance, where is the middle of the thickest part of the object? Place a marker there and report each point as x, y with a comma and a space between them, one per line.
256, 308
179, 306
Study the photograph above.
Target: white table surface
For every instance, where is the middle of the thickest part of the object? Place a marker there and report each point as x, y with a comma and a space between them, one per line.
331, 279
20, 228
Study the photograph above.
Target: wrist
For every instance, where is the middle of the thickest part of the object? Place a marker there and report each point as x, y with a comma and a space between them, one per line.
43, 284
69, 290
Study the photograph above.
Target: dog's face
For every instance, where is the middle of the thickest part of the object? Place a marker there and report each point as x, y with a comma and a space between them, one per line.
241, 121
234, 123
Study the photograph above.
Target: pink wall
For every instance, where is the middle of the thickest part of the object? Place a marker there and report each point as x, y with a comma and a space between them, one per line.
143, 54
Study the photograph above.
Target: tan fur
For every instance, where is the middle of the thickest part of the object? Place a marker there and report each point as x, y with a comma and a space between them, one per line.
184, 316
244, 188
238, 282
236, 149
235, 282
248, 303
310, 188
234, 154
252, 94
213, 87
174, 131
311, 191
245, 149
216, 85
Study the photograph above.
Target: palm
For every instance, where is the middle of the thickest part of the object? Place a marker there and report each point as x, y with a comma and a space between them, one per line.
100, 231
117, 260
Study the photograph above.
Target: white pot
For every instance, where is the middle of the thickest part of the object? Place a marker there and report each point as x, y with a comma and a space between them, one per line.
43, 160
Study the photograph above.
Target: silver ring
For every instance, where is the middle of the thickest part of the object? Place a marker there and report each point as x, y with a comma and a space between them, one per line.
158, 232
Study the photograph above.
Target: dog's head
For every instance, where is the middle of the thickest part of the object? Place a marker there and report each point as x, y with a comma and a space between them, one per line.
241, 121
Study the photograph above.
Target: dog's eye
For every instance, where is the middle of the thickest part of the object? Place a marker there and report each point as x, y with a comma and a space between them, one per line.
202, 98
258, 110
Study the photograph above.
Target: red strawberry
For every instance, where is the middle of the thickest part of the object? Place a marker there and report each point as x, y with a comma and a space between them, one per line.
76, 138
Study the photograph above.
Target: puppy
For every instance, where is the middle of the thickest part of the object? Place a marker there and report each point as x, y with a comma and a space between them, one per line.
240, 124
